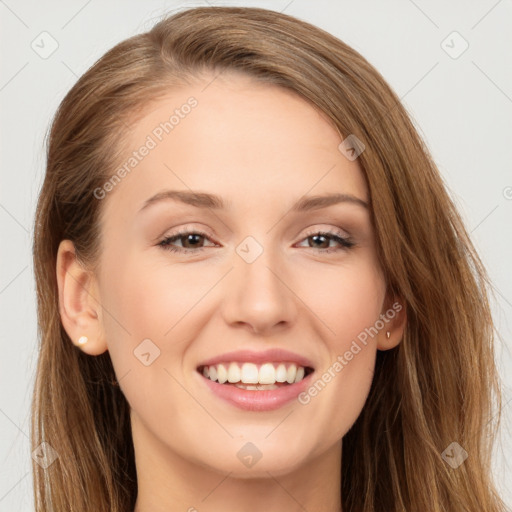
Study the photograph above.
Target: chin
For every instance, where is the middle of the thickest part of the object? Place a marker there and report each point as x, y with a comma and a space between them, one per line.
250, 460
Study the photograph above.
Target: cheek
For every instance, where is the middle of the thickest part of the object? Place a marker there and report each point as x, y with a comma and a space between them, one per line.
149, 299
143, 311
359, 305
150, 308
348, 302
347, 299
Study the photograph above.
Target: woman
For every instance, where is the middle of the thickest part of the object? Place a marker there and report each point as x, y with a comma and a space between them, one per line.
254, 291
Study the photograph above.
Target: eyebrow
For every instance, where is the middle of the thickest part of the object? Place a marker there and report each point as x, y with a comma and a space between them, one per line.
205, 200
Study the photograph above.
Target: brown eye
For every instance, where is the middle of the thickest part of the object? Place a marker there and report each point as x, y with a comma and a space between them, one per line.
321, 240
191, 241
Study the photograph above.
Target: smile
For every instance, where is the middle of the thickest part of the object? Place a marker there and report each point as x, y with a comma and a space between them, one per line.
256, 380
251, 376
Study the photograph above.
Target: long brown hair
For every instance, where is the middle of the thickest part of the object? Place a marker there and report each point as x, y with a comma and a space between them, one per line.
438, 386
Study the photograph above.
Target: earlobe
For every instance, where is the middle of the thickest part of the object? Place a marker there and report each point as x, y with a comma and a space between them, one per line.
79, 301
395, 317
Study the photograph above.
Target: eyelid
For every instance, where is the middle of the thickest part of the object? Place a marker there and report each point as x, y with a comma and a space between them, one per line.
332, 230
184, 230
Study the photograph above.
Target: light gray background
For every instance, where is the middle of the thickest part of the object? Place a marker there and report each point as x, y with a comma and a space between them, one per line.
461, 106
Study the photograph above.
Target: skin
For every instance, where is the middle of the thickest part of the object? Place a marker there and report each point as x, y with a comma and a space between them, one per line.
260, 148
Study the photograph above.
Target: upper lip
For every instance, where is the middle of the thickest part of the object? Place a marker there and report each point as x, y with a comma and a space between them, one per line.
274, 355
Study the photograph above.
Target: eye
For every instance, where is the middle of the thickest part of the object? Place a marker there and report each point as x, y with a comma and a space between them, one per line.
326, 237
191, 241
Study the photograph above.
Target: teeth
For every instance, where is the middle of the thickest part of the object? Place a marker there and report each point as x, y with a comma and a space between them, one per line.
259, 387
281, 373
267, 374
290, 374
250, 376
249, 373
222, 373
234, 373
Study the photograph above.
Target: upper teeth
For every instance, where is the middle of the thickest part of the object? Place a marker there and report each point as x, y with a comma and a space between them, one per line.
250, 373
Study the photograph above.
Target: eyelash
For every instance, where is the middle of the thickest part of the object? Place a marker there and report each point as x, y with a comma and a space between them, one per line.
345, 242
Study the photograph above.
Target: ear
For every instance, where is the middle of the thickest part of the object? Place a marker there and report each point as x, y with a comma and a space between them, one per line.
79, 306
394, 317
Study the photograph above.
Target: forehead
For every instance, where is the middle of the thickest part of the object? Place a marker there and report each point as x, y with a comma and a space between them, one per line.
244, 140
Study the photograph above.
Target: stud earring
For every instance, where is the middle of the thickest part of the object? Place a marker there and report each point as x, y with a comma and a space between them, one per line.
82, 340
388, 334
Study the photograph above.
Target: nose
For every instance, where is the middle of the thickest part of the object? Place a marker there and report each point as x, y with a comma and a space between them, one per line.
259, 296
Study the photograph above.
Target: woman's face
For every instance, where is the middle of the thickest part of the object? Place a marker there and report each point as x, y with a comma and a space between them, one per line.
258, 277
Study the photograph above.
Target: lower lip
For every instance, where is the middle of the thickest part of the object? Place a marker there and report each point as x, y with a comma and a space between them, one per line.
254, 400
